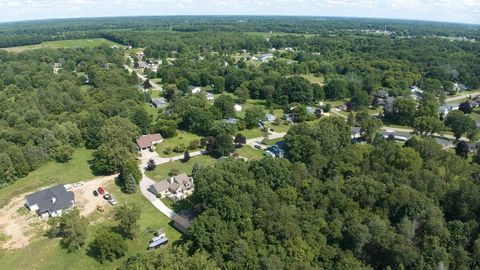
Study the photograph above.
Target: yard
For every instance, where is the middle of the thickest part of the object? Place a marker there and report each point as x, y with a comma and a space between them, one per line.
162, 171
314, 79
182, 138
49, 174
249, 152
74, 43
46, 253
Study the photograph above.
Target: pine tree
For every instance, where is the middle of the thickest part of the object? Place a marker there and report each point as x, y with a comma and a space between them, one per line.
151, 165
351, 120
195, 170
186, 156
130, 185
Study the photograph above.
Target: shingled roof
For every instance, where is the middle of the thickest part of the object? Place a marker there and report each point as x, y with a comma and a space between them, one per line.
148, 140
51, 199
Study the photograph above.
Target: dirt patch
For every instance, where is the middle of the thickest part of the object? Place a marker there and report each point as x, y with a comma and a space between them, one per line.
18, 225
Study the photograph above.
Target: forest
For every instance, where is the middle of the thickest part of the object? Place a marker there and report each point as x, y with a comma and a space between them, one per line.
331, 202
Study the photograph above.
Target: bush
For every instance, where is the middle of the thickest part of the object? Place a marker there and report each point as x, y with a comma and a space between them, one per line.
174, 172
64, 153
194, 144
179, 148
167, 150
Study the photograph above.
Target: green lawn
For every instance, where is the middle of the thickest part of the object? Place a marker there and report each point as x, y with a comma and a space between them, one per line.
51, 173
314, 79
182, 137
74, 43
279, 128
46, 253
162, 171
249, 152
252, 133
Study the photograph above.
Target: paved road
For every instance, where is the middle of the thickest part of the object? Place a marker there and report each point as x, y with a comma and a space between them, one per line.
408, 130
467, 95
145, 183
142, 77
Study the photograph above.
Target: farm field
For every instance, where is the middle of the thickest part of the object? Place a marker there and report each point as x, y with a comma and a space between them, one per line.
73, 43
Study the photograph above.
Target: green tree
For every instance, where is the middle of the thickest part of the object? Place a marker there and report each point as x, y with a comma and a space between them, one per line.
107, 245
142, 120
130, 185
222, 146
225, 104
360, 100
218, 84
130, 167
168, 128
336, 89
128, 215
242, 93
64, 153
369, 128
72, 228
7, 171
461, 124
427, 125
253, 116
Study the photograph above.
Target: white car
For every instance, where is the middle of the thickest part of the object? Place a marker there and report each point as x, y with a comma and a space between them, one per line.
78, 184
112, 201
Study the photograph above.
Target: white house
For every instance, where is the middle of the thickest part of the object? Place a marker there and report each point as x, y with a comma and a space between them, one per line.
237, 107
195, 89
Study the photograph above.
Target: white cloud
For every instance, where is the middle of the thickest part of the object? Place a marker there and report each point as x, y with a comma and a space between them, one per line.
446, 10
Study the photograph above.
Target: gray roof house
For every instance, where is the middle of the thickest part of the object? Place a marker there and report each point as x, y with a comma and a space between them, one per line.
175, 188
269, 117
183, 220
50, 201
159, 102
230, 120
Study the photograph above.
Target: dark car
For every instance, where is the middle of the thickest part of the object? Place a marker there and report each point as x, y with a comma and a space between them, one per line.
95, 193
107, 197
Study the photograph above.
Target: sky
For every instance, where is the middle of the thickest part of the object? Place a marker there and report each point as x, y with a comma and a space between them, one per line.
464, 11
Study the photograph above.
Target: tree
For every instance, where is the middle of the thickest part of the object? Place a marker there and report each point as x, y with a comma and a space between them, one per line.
351, 120
242, 93
402, 111
369, 128
428, 106
151, 165
64, 153
182, 85
218, 84
427, 125
360, 100
240, 140
107, 245
130, 185
336, 89
222, 146
170, 92
72, 228
142, 120
225, 105
198, 120
253, 116
130, 167
461, 124
186, 156
128, 216
195, 170
168, 128
462, 149
465, 107
298, 89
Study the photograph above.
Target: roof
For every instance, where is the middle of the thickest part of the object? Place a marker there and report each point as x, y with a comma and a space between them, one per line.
179, 181
147, 140
230, 120
185, 218
355, 130
159, 101
51, 199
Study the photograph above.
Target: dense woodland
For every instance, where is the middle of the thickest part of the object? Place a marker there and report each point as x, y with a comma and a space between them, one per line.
329, 204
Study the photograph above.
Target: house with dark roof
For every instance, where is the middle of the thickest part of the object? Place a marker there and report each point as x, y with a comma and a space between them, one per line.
175, 188
183, 220
230, 120
159, 102
50, 202
397, 135
149, 141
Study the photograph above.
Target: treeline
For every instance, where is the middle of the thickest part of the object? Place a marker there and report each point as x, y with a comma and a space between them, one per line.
45, 115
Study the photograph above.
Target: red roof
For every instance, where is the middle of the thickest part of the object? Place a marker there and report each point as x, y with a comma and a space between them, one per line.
148, 140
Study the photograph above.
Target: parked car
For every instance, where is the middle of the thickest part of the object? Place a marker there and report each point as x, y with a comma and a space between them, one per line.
101, 191
257, 146
112, 201
107, 196
78, 184
95, 193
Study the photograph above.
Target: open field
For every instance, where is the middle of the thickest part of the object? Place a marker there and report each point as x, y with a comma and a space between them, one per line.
46, 253
314, 79
249, 152
49, 174
162, 171
183, 137
74, 43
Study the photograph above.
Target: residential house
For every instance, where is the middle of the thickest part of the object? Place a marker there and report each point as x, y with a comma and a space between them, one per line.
50, 201
355, 132
183, 220
265, 57
444, 110
289, 117
237, 107
175, 188
477, 123
209, 96
230, 120
149, 141
140, 55
446, 144
159, 102
195, 89
269, 118
474, 147
140, 64
275, 151
382, 93
457, 87
157, 242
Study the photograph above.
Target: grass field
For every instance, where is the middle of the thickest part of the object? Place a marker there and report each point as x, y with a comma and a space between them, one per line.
45, 253
74, 43
162, 171
182, 137
250, 153
313, 79
51, 173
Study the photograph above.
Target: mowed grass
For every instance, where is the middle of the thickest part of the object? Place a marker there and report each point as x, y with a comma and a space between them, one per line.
162, 171
45, 253
74, 43
182, 137
49, 174
314, 79
249, 152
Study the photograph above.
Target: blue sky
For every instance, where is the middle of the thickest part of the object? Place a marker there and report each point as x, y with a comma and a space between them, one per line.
467, 11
